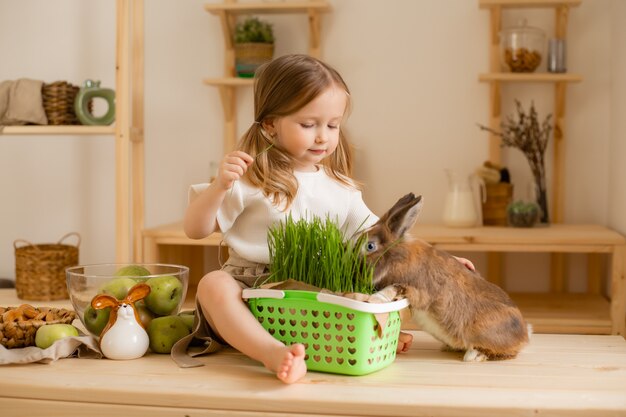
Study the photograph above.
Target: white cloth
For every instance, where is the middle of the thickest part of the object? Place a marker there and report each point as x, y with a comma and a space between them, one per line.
21, 102
83, 346
246, 214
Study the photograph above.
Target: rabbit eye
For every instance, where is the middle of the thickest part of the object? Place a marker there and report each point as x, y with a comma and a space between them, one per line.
371, 246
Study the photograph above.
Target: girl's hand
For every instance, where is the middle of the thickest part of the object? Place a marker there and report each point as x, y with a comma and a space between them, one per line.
233, 166
468, 264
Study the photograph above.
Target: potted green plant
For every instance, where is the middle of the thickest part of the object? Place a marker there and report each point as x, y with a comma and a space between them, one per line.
254, 45
530, 136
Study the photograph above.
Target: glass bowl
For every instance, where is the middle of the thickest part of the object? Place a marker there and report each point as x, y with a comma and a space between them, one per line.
168, 288
522, 47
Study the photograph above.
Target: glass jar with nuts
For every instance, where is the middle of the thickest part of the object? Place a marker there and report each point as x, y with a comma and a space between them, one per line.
522, 47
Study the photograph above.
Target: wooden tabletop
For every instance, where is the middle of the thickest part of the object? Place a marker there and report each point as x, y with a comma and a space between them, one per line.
556, 375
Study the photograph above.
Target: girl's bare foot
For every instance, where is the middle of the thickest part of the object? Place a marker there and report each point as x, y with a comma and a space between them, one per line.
404, 342
289, 363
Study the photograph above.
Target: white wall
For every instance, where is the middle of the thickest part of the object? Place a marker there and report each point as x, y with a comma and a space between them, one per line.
54, 185
412, 66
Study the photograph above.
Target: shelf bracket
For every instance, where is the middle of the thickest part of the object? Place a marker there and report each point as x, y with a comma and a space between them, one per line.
227, 95
314, 34
228, 31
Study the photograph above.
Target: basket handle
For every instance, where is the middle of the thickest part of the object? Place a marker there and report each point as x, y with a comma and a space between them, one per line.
15, 243
374, 308
68, 235
27, 243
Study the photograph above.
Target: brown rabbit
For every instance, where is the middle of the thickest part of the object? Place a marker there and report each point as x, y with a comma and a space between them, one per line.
455, 305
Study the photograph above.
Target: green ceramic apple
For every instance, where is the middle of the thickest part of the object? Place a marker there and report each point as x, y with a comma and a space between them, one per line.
96, 320
165, 331
166, 292
117, 287
50, 333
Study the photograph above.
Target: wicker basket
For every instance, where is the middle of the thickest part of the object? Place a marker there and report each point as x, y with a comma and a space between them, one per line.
249, 56
40, 269
494, 208
58, 103
18, 325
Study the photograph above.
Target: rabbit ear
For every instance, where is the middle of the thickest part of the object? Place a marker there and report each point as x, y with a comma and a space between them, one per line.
137, 292
402, 216
103, 301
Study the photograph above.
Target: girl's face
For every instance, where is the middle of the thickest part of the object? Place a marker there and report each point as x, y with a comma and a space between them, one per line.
312, 133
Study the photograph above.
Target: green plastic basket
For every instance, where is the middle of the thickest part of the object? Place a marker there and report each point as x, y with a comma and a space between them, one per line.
340, 335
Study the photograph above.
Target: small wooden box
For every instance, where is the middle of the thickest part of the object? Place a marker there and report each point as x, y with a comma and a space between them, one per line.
498, 197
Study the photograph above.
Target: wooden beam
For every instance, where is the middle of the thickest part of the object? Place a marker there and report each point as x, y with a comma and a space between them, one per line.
495, 150
122, 134
618, 289
137, 127
227, 95
520, 4
314, 34
558, 182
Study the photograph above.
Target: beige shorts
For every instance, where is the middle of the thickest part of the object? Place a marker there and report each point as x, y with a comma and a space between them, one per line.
247, 274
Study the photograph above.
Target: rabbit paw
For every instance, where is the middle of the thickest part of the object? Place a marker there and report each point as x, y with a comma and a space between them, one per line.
473, 355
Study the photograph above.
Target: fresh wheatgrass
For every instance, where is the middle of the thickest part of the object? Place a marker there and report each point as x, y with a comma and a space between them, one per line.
316, 252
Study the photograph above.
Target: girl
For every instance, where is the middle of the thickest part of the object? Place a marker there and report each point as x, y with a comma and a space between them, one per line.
294, 160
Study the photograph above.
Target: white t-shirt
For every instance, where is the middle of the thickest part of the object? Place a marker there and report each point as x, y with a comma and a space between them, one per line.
246, 214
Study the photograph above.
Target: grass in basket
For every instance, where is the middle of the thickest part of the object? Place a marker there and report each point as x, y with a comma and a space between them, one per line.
316, 252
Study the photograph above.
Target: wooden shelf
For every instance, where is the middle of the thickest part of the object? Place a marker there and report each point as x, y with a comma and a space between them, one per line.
229, 82
520, 4
57, 130
541, 77
268, 8
227, 12
173, 234
548, 312
566, 313
128, 128
569, 238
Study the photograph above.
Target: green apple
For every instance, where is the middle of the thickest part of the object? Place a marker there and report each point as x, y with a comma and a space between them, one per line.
48, 334
117, 287
96, 320
187, 317
165, 331
145, 315
133, 271
166, 292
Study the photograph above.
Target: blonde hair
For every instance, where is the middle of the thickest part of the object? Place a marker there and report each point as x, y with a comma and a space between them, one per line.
282, 87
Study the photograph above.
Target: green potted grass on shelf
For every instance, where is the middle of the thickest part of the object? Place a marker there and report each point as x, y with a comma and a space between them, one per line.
254, 45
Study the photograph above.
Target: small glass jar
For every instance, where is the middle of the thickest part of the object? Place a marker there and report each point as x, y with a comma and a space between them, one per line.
522, 47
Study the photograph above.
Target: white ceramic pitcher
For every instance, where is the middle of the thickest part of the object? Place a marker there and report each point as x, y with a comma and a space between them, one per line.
462, 206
